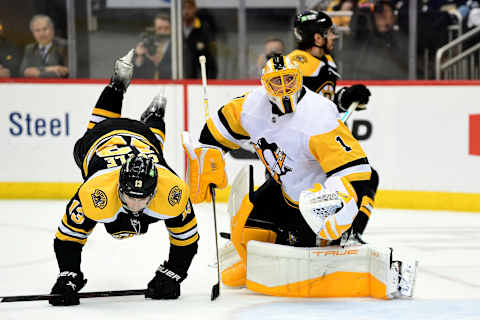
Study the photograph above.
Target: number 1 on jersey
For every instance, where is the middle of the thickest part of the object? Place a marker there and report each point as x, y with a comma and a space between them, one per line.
344, 146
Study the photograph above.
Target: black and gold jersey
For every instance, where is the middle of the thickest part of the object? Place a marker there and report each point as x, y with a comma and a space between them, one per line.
97, 201
319, 74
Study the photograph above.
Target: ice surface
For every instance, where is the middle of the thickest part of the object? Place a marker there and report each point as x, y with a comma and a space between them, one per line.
447, 245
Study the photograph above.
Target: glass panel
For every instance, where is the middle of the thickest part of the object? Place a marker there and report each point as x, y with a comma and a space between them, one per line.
117, 26
372, 43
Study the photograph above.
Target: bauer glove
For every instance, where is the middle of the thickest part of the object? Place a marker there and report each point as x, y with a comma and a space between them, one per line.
67, 286
356, 93
165, 284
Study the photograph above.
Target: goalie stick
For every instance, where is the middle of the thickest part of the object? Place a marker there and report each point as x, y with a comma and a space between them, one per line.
93, 294
349, 111
216, 287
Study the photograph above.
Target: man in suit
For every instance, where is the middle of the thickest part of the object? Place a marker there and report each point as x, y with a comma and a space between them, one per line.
47, 57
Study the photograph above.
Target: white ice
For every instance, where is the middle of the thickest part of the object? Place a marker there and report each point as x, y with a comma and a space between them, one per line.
447, 245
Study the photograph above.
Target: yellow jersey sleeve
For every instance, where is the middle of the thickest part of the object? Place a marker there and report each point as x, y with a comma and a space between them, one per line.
339, 153
308, 64
171, 197
99, 196
226, 125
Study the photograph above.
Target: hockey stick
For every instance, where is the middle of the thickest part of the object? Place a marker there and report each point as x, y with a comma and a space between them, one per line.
349, 111
93, 294
216, 287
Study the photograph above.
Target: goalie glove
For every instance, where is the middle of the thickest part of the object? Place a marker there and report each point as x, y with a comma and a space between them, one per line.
329, 210
206, 166
356, 93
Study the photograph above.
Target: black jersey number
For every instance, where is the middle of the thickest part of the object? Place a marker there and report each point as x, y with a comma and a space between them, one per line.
344, 146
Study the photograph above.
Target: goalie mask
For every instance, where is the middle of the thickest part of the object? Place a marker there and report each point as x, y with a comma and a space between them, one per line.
137, 183
282, 80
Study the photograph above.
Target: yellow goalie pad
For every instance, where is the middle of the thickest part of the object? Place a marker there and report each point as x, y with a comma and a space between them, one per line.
205, 166
355, 271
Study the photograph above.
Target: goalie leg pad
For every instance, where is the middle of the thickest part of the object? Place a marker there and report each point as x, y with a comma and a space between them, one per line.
235, 275
357, 271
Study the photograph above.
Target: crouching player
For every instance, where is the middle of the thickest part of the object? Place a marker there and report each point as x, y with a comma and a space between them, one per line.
127, 186
319, 175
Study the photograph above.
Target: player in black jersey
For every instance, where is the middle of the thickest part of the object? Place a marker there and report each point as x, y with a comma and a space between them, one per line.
315, 35
127, 186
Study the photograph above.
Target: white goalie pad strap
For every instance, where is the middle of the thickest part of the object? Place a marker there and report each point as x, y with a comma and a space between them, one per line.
228, 256
238, 191
356, 271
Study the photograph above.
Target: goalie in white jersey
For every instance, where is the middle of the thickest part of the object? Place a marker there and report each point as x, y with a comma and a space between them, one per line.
320, 174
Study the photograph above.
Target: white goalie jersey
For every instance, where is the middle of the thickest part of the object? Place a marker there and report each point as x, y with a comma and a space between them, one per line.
299, 149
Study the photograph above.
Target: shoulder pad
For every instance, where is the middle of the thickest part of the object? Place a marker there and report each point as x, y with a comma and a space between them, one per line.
99, 196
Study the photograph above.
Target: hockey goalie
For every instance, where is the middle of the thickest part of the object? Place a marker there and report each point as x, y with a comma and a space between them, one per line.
291, 236
342, 268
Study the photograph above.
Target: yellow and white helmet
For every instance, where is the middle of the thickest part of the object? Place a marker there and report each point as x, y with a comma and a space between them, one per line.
283, 81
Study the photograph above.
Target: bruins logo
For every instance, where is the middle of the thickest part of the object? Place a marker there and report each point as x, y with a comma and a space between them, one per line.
327, 90
99, 199
301, 59
174, 196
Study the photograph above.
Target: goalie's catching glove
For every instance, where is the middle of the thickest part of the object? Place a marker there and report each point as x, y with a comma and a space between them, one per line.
165, 284
330, 209
67, 286
356, 93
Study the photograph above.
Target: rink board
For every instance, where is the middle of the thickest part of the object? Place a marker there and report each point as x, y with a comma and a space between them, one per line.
423, 138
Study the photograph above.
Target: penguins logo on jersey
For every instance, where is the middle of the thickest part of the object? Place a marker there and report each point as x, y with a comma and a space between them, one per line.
273, 158
174, 196
99, 199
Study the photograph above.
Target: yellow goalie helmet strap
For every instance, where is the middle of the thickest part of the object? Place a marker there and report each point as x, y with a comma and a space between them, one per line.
205, 166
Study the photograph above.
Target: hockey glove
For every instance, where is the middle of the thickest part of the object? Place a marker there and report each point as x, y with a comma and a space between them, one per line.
67, 285
356, 93
329, 210
165, 284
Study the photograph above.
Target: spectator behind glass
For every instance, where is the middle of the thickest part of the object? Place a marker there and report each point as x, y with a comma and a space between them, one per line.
272, 46
375, 50
9, 59
200, 41
153, 58
341, 5
47, 57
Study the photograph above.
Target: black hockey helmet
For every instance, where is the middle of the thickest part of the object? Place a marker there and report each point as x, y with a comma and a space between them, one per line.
138, 177
307, 24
